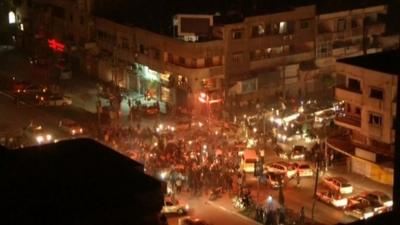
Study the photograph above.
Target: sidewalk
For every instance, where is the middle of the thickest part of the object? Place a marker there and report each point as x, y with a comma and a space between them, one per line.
359, 181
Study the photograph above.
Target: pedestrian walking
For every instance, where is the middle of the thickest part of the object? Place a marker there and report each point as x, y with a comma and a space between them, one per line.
298, 178
302, 216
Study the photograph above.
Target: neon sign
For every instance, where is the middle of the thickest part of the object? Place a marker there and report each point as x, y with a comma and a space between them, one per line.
55, 45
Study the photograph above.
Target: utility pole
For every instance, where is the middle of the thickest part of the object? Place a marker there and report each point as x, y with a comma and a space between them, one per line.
316, 184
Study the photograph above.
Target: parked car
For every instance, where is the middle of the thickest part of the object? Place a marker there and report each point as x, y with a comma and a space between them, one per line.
281, 167
38, 60
35, 133
70, 126
273, 179
57, 100
19, 86
338, 184
249, 158
304, 169
281, 153
172, 205
332, 198
359, 211
191, 221
379, 198
65, 74
376, 207
298, 152
34, 89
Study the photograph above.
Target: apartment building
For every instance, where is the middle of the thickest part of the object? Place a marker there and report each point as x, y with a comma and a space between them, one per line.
265, 54
367, 86
281, 51
170, 70
346, 32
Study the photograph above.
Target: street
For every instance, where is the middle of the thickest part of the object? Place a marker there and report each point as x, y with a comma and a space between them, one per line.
14, 117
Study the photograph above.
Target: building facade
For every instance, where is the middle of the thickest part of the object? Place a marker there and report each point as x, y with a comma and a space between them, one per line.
281, 53
369, 94
348, 33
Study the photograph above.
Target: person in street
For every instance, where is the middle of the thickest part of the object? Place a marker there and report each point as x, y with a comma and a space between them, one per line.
302, 216
298, 178
178, 185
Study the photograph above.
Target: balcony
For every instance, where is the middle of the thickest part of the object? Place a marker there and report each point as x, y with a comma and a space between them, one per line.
376, 28
345, 145
348, 95
181, 70
349, 121
276, 60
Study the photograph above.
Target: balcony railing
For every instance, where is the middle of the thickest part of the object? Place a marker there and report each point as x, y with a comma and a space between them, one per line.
348, 95
348, 120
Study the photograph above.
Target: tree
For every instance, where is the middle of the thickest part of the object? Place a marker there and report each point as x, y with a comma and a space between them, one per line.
328, 80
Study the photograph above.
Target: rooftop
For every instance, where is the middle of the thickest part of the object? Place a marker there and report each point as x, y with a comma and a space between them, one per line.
386, 62
76, 181
156, 15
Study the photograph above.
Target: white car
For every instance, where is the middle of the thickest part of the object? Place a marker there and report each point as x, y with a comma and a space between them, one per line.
298, 152
338, 184
37, 133
380, 198
332, 198
304, 169
281, 167
59, 100
70, 126
359, 211
171, 205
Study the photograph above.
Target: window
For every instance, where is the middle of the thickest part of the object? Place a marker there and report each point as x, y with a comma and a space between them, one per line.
358, 110
124, 43
237, 34
354, 23
375, 120
324, 49
354, 85
181, 61
157, 54
237, 57
141, 49
258, 31
304, 24
283, 27
341, 25
209, 61
376, 93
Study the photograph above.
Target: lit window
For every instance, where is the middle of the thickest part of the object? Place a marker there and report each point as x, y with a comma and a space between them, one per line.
11, 17
283, 27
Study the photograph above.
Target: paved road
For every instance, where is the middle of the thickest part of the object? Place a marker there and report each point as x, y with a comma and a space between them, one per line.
14, 117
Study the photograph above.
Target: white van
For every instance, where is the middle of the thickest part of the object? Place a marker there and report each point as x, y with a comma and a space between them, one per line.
248, 161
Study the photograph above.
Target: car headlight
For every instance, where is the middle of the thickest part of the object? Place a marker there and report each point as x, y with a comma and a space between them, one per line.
388, 203
368, 215
39, 139
49, 137
187, 206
